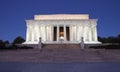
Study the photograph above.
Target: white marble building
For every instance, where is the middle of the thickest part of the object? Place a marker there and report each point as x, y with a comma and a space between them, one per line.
65, 28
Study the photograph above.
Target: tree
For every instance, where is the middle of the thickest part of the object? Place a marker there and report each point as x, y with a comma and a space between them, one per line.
6, 42
102, 39
18, 40
111, 39
2, 45
118, 38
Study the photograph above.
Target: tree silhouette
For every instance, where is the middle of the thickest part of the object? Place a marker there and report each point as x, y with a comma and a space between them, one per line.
6, 42
110, 39
103, 40
2, 45
18, 40
118, 38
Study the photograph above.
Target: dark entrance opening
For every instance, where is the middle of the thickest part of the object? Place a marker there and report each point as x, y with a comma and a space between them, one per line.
68, 33
61, 33
55, 34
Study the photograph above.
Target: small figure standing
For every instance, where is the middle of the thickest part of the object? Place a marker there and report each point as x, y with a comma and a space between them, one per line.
82, 43
40, 43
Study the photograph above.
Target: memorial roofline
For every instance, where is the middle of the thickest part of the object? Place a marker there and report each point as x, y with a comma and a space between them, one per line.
61, 16
63, 20
59, 19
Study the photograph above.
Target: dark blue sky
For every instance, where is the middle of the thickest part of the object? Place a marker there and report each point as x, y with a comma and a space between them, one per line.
60, 67
14, 12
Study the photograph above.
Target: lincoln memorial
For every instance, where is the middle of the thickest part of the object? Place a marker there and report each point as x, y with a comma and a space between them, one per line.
61, 28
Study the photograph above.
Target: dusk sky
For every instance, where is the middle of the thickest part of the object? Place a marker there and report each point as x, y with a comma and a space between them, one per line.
13, 14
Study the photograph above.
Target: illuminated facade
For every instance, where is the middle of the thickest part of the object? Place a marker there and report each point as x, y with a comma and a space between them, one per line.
65, 28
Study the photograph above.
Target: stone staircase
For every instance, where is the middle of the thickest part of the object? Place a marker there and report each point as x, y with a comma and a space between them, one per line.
60, 53
54, 45
61, 46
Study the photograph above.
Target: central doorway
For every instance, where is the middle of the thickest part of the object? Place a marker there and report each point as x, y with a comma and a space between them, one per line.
61, 33
67, 33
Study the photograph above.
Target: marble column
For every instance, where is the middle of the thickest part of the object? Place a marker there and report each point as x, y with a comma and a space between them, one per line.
95, 33
27, 34
71, 33
84, 32
43, 34
52, 33
73, 29
74, 33
78, 32
81, 31
87, 32
32, 32
64, 33
90, 34
49, 31
47, 34
57, 32
37, 33
40, 31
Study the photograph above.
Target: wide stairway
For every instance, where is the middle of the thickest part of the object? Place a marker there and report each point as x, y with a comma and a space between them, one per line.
54, 46
61, 46
62, 53
59, 53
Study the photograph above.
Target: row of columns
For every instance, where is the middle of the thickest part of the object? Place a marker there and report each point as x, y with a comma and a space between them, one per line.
76, 32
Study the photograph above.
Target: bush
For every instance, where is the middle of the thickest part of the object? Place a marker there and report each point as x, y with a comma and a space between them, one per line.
106, 47
15, 47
